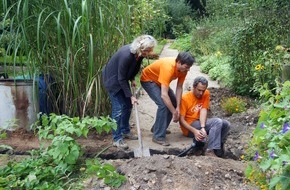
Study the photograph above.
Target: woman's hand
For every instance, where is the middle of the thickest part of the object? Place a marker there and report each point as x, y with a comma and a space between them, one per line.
133, 83
134, 100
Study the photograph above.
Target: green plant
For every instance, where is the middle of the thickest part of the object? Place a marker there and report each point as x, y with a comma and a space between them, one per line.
57, 164
269, 147
182, 43
149, 16
262, 30
53, 125
233, 105
69, 42
9, 125
209, 63
180, 18
106, 171
269, 67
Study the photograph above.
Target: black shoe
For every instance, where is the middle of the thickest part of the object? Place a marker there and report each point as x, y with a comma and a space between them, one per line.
220, 152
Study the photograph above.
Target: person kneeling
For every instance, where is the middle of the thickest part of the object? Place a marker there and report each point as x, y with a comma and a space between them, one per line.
194, 122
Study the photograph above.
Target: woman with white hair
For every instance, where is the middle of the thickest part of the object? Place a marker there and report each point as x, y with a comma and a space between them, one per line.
118, 74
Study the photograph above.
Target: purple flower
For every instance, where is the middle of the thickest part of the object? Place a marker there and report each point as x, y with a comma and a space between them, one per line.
284, 163
286, 127
257, 156
262, 125
272, 154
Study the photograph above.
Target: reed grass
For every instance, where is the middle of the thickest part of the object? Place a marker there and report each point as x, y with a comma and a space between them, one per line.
69, 41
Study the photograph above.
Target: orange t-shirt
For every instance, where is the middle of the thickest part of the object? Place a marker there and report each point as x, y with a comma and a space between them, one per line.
162, 71
190, 107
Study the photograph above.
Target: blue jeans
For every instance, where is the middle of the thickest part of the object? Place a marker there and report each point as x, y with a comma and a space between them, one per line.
217, 130
121, 112
163, 115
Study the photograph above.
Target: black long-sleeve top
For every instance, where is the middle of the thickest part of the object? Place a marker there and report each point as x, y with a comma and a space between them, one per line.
121, 68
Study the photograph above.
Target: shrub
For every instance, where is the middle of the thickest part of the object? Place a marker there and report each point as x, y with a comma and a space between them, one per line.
233, 105
183, 43
268, 67
269, 148
221, 70
208, 64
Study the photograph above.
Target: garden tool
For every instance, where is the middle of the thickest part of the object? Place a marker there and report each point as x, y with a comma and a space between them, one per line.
184, 153
195, 146
141, 151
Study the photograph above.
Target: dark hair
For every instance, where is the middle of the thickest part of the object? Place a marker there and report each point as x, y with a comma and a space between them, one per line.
185, 58
201, 80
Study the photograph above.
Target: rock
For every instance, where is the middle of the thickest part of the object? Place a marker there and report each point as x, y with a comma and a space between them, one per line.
228, 176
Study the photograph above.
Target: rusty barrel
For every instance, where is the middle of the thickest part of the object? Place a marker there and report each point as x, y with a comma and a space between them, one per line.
18, 103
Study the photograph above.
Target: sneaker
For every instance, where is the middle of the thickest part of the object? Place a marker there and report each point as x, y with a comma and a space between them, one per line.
120, 144
130, 136
161, 142
210, 153
167, 131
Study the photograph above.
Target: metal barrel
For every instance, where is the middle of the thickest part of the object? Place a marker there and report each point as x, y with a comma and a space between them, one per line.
18, 103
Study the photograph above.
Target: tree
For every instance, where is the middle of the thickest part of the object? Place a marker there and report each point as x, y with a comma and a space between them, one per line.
198, 6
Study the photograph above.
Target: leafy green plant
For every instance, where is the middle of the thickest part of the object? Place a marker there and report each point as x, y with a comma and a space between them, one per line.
213, 61
57, 164
106, 171
53, 125
32, 173
233, 105
183, 43
9, 125
268, 67
149, 16
261, 32
208, 64
269, 148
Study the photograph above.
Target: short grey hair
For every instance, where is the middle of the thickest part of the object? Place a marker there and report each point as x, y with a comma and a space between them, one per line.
201, 80
142, 43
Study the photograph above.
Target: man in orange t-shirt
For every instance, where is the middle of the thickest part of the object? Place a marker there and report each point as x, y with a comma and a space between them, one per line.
194, 122
155, 80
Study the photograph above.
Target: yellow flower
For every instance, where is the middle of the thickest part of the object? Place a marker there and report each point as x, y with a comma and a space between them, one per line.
279, 48
218, 54
242, 157
82, 169
258, 67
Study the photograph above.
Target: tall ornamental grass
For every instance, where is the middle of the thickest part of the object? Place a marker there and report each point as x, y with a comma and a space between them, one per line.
68, 42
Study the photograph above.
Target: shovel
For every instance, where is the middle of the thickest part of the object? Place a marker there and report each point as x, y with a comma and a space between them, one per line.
141, 151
